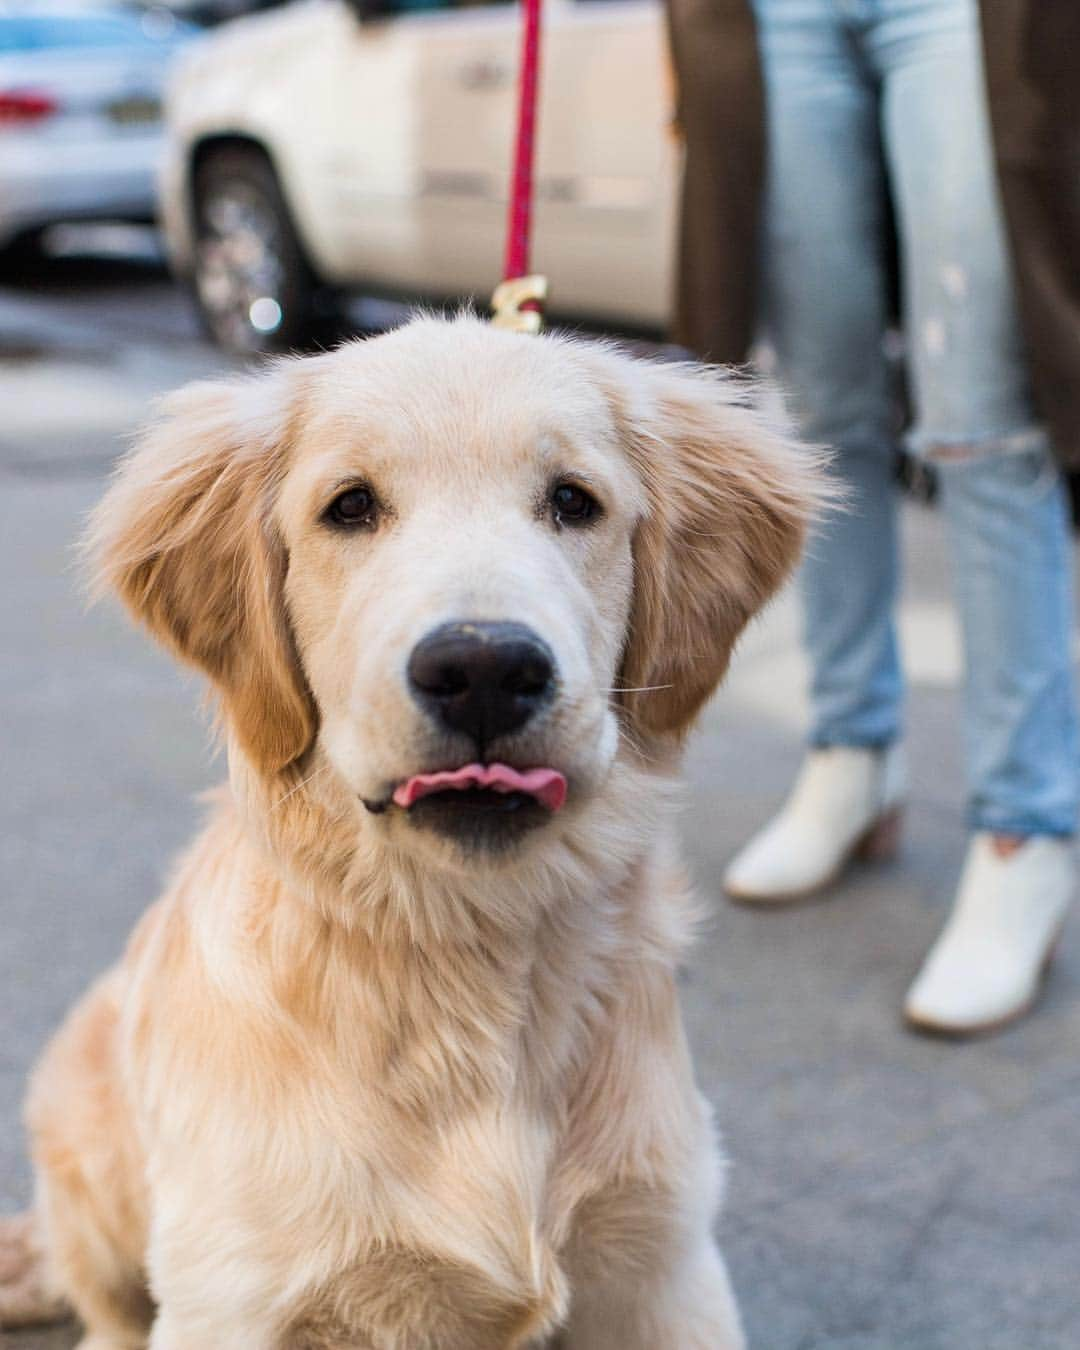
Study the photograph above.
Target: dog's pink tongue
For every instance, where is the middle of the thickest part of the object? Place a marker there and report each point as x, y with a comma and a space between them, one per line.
548, 786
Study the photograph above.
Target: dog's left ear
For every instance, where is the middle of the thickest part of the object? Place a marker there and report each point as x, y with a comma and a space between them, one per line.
730, 496
185, 537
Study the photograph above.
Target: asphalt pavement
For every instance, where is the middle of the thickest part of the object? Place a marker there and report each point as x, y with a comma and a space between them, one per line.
885, 1191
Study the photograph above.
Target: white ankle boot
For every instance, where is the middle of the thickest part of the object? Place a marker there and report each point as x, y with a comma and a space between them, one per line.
845, 804
986, 967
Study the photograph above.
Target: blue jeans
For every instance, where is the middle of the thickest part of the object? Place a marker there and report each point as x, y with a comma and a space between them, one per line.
865, 98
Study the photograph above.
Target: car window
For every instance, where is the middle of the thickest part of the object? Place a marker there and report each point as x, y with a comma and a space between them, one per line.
14, 36
78, 31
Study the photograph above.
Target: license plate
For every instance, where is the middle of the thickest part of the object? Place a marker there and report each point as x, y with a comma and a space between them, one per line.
135, 111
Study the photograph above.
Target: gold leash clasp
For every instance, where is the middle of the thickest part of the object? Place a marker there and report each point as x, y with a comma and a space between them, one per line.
509, 301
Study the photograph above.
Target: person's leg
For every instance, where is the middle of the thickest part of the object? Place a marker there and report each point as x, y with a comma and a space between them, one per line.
825, 286
1009, 531
825, 314
1003, 503
1003, 499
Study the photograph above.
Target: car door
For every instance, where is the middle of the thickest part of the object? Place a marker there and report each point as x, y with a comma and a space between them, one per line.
608, 162
420, 107
367, 93
423, 117
467, 106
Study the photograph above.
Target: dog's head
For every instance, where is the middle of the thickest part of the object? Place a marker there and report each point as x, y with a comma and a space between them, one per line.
459, 570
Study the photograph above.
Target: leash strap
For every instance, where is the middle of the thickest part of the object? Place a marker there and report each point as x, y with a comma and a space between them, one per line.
518, 300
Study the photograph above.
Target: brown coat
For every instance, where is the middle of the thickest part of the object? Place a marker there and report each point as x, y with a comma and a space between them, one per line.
1031, 50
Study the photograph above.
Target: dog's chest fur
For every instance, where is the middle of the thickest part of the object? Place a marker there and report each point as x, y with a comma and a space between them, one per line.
401, 1298
371, 1231
489, 1280
437, 1244
407, 1115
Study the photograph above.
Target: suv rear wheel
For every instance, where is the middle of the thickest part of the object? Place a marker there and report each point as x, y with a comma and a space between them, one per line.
254, 287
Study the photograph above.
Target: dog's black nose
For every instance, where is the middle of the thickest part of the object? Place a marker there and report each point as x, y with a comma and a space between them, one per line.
483, 679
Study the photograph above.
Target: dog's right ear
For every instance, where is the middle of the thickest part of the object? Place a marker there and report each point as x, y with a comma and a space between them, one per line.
185, 536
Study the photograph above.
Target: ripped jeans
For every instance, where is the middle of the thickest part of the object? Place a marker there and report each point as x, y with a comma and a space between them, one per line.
865, 98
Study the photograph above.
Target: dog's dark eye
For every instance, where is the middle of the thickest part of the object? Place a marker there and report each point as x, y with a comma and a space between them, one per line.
572, 505
355, 507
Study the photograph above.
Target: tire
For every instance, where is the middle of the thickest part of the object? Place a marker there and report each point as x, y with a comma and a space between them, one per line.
254, 288
22, 255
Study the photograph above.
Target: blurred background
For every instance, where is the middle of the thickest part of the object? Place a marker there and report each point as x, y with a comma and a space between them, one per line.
185, 187
320, 152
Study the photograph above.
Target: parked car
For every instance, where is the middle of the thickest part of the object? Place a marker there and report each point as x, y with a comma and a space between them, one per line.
312, 151
80, 113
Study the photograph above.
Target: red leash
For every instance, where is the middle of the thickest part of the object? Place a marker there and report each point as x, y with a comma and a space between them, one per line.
518, 301
519, 221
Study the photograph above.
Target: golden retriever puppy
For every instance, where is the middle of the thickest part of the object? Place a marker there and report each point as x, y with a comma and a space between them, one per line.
397, 1061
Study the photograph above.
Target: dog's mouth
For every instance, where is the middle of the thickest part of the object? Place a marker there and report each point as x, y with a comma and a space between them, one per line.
482, 804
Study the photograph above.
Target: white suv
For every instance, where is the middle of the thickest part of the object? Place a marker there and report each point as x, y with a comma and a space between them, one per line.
80, 113
312, 151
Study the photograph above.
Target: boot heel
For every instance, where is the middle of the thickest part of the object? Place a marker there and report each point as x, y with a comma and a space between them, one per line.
1051, 953
881, 842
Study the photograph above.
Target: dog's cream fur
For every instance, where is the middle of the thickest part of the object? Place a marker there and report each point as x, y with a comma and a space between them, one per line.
351, 1084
